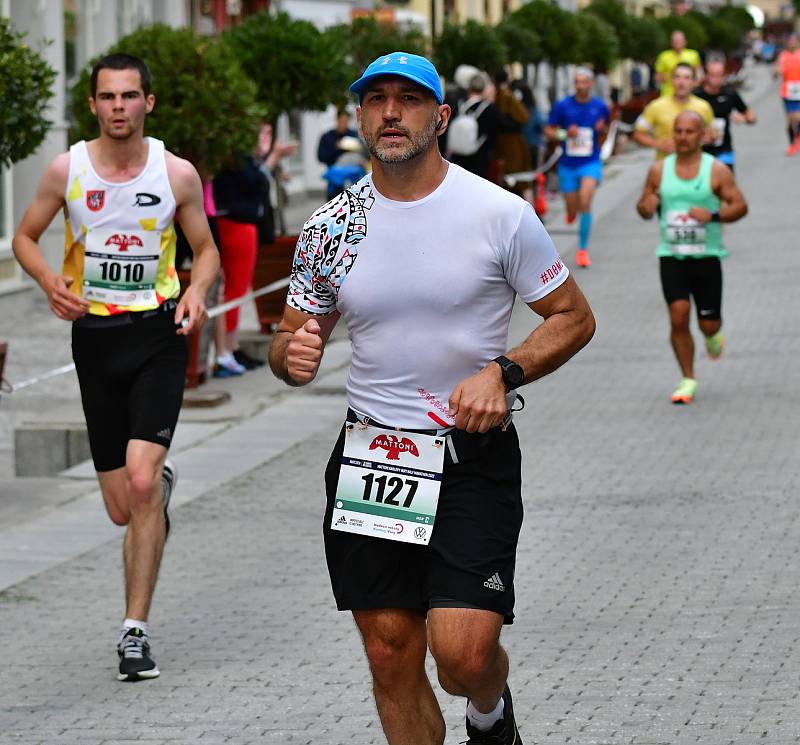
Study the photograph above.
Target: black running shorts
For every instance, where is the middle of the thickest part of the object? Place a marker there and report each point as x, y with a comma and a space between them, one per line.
471, 557
131, 378
698, 278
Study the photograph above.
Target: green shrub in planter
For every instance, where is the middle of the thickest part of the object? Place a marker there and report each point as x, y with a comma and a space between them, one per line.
294, 65
206, 109
26, 82
470, 44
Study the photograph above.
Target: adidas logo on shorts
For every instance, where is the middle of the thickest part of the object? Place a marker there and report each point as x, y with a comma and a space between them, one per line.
495, 583
165, 433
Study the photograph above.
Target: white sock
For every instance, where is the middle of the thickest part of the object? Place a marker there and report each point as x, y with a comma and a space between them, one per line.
132, 623
484, 722
226, 358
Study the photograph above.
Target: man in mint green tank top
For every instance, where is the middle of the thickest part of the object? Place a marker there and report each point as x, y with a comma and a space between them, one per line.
693, 193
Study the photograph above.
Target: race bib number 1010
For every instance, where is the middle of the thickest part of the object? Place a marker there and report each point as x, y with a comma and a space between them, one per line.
120, 267
388, 484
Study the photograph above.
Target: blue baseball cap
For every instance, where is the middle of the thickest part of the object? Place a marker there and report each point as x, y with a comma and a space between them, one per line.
411, 66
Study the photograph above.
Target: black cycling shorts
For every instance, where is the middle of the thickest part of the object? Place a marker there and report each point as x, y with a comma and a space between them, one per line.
131, 377
471, 557
698, 278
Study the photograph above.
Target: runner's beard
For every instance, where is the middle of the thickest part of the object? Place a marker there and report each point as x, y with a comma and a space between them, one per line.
414, 146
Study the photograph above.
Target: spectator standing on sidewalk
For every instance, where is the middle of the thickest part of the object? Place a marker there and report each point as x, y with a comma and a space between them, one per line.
437, 572
533, 130
475, 152
726, 103
122, 194
654, 125
244, 212
511, 147
692, 193
669, 58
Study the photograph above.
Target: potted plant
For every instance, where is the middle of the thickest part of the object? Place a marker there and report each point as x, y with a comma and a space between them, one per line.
25, 89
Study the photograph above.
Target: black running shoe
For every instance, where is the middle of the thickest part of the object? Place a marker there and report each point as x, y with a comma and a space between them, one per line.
504, 731
135, 662
246, 361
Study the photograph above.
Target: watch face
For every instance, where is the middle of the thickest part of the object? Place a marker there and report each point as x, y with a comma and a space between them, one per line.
514, 375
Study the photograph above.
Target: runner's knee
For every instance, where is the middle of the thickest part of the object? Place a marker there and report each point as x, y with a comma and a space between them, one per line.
143, 491
460, 664
392, 651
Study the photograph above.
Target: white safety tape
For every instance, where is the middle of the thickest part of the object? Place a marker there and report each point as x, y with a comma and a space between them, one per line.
212, 313
512, 178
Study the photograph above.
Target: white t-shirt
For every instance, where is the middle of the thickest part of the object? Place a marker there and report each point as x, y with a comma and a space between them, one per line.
426, 287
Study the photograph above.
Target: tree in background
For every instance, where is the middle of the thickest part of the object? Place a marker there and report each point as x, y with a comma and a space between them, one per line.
522, 44
721, 35
696, 36
470, 44
26, 83
558, 29
206, 109
366, 39
293, 64
644, 39
597, 43
739, 17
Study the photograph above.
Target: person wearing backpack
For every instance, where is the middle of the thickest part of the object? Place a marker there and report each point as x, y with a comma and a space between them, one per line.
472, 131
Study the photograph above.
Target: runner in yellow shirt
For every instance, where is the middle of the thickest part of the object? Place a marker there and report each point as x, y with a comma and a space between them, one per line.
654, 126
669, 58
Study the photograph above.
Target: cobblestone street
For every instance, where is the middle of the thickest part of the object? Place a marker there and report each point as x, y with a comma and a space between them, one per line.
657, 578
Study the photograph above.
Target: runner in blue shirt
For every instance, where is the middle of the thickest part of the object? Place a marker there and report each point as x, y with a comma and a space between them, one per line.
579, 122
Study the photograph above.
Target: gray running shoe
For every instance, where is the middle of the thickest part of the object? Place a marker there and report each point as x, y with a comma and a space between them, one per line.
135, 662
504, 731
169, 478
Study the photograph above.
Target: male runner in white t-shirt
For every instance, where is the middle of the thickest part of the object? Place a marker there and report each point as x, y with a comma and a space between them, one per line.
424, 260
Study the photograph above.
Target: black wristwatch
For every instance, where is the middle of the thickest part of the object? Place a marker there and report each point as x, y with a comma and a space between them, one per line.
715, 217
513, 374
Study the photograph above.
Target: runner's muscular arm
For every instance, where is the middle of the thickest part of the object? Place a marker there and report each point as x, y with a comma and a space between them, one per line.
48, 201
479, 402
189, 212
296, 350
650, 200
723, 184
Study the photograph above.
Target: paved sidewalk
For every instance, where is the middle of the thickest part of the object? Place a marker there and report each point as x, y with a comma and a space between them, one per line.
657, 577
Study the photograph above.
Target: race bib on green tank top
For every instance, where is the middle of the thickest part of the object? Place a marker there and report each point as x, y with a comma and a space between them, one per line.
686, 235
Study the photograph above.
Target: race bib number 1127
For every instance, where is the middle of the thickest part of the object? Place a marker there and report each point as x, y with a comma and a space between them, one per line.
388, 484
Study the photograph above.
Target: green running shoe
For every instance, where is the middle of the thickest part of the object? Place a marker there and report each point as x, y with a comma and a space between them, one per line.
714, 345
684, 393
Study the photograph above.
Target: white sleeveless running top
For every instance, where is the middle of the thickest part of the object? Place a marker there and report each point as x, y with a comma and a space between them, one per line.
120, 237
